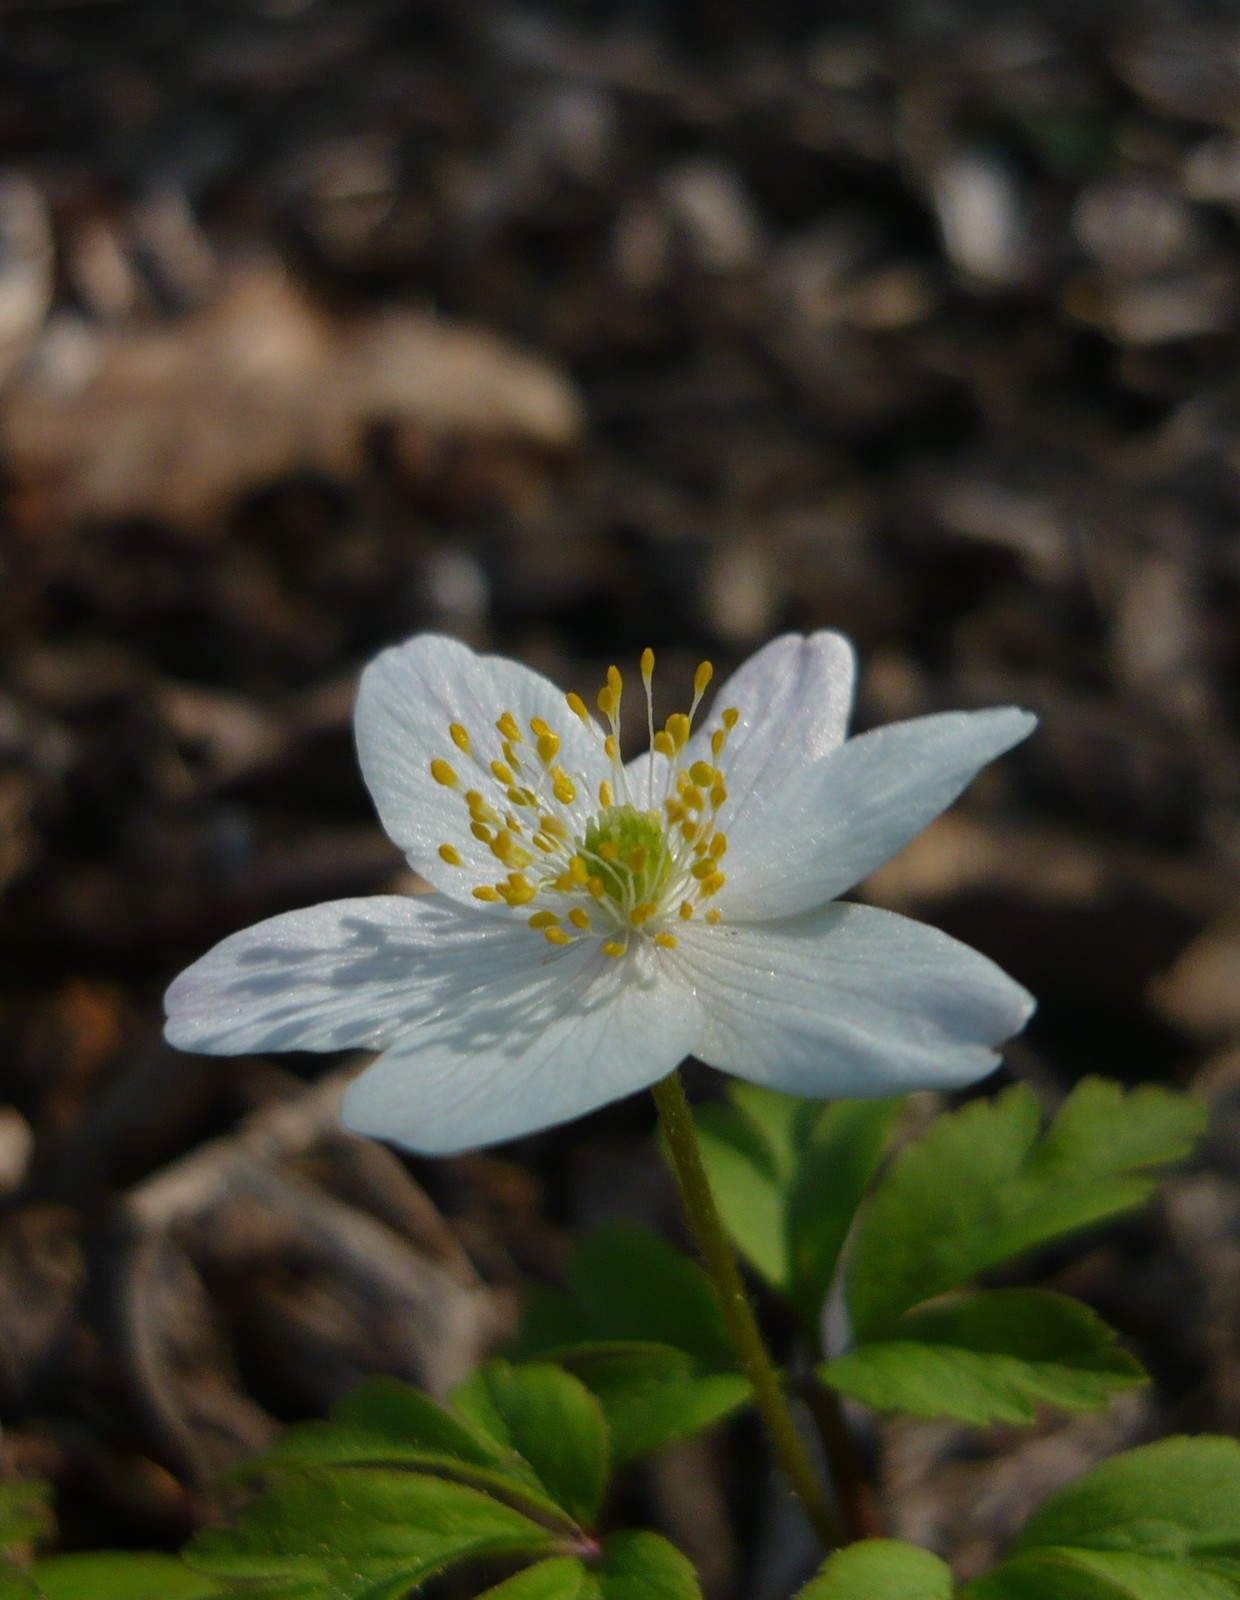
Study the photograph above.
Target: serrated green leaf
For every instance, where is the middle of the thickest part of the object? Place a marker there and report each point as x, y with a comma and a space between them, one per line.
120, 1575
1179, 1497
1158, 1523
652, 1394
644, 1566
992, 1357
979, 1187
633, 1285
384, 1422
881, 1569
25, 1512
1099, 1575
361, 1533
551, 1420
788, 1177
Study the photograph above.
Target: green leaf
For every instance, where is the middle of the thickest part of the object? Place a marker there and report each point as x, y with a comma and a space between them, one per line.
632, 1285
979, 1187
25, 1512
387, 1423
652, 1394
362, 1533
15, 1585
989, 1358
788, 1176
881, 1569
644, 1566
1158, 1523
120, 1575
560, 1578
551, 1420
1100, 1575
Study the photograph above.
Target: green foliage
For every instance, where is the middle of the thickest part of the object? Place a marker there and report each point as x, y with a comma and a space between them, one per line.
632, 1566
641, 1328
120, 1575
980, 1187
363, 1533
1158, 1523
549, 1420
881, 1569
788, 1177
989, 1358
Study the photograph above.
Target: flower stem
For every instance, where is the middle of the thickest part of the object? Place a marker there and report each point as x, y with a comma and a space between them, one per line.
720, 1262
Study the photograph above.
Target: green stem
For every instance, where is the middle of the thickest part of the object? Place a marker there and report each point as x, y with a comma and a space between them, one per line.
720, 1262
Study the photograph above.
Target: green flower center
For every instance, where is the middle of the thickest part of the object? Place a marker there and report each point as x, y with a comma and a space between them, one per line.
628, 853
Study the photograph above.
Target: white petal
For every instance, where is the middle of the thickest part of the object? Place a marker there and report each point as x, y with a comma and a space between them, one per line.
351, 973
794, 697
848, 1001
811, 830
529, 1052
408, 697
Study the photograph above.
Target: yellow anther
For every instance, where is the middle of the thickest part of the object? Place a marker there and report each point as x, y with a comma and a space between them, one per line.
609, 850
481, 831
562, 786
556, 936
664, 744
501, 773
486, 893
638, 857
675, 811
713, 884
544, 919
702, 869
450, 854
719, 845
611, 748
678, 728
552, 826
577, 706
699, 849
702, 677
717, 741
615, 682
541, 842
606, 796
521, 797
579, 918
647, 665
509, 726
693, 797
539, 727
665, 941
614, 949
578, 872
686, 910
519, 894
702, 773
642, 913
548, 747
730, 718
718, 793
607, 702
479, 810
510, 755
459, 736
713, 915
689, 829
443, 773
595, 886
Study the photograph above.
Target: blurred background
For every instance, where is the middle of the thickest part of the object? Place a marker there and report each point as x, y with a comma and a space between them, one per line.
568, 329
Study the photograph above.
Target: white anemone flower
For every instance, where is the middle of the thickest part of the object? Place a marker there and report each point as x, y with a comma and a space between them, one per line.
595, 923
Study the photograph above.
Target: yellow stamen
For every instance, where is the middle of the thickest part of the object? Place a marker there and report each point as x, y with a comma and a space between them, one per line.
548, 747
486, 893
647, 665
678, 728
730, 718
509, 727
450, 854
443, 773
702, 773
665, 941
459, 736
556, 936
577, 706
579, 918
501, 773
605, 795
664, 744
614, 948
642, 913
713, 915
701, 678
686, 910
481, 831
544, 919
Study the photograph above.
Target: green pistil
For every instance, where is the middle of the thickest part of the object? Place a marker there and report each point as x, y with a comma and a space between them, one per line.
628, 854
